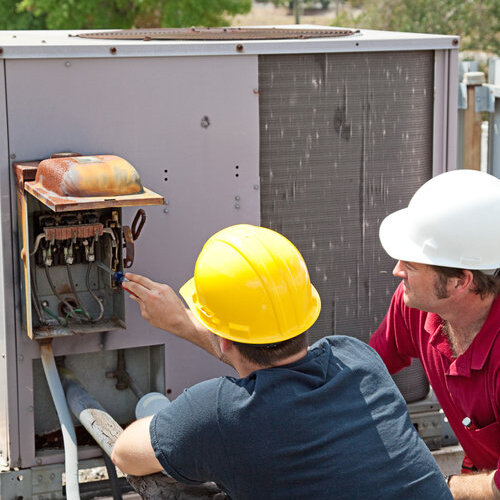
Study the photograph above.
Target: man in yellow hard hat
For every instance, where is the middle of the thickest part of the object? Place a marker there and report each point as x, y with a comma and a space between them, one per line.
325, 422
446, 312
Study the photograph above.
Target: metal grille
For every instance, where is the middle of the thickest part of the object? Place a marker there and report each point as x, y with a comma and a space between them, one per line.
345, 139
218, 34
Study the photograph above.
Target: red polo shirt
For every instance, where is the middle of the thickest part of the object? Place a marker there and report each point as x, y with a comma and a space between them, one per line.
468, 386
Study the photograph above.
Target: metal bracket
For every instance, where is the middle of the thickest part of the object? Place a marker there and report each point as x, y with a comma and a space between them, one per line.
462, 96
484, 98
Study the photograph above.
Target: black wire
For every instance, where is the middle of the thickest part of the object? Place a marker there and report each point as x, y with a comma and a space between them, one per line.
113, 478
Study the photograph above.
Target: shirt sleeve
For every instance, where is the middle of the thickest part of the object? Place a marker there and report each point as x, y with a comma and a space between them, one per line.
185, 435
393, 338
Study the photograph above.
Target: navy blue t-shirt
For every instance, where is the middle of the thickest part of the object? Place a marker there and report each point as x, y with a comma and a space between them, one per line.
330, 426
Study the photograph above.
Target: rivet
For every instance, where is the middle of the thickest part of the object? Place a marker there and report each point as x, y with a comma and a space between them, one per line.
237, 198
13, 156
39, 462
113, 50
67, 64
165, 210
236, 205
239, 47
30, 409
20, 357
256, 187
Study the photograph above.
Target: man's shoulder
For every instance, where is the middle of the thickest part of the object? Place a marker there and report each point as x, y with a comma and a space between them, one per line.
343, 342
348, 349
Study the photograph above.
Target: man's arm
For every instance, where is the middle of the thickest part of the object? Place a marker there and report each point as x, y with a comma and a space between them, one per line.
480, 486
133, 453
161, 306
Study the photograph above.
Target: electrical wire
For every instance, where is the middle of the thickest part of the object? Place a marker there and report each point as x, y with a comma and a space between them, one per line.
39, 238
96, 298
77, 298
56, 293
36, 296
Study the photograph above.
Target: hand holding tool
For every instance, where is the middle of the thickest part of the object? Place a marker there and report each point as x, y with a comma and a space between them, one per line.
117, 276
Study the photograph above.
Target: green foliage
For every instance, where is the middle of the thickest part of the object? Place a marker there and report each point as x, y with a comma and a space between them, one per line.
97, 14
12, 19
201, 12
476, 21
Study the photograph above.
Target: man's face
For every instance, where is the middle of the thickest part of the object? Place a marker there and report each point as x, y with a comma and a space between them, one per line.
422, 287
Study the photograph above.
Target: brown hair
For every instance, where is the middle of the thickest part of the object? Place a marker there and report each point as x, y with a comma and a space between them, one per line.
484, 284
269, 354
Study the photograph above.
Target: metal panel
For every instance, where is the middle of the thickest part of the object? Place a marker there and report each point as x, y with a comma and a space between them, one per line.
345, 140
64, 44
445, 111
494, 122
190, 127
8, 389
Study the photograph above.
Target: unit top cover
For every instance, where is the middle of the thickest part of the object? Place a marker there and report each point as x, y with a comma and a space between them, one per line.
98, 181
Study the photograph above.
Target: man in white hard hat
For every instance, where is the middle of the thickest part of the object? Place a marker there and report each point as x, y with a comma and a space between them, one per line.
322, 423
446, 312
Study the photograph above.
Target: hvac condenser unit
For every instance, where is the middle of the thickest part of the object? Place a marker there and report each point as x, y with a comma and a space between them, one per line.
316, 133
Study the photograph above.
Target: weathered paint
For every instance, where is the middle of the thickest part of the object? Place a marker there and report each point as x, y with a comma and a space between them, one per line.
85, 176
62, 203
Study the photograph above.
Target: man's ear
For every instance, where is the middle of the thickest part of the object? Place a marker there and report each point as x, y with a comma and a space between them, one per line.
225, 345
465, 282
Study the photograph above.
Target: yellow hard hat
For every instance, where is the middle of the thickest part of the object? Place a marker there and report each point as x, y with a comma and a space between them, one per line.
251, 285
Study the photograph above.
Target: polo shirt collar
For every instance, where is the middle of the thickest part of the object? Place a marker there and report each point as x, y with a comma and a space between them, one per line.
476, 355
484, 340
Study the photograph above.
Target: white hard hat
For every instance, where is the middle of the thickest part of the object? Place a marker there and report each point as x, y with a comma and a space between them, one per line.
453, 220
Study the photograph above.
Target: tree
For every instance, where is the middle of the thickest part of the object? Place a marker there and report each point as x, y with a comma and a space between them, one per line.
103, 14
12, 19
476, 21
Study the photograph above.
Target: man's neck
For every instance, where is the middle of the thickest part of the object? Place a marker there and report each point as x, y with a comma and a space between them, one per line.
463, 321
245, 367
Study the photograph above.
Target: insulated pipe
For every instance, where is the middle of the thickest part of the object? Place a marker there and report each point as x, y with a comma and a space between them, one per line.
100, 425
68, 431
105, 430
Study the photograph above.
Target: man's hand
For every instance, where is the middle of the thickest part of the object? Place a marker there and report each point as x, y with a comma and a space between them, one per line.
480, 486
161, 306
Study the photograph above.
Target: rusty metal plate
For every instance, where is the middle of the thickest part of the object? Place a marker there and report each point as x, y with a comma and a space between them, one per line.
60, 203
218, 34
63, 204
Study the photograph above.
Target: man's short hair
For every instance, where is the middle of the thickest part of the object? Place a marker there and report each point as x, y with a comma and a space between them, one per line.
268, 354
484, 284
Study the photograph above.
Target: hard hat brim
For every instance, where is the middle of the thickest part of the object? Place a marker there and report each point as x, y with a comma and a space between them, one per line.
396, 241
188, 291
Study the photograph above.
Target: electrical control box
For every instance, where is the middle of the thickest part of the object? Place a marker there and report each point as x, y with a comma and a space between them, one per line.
73, 242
